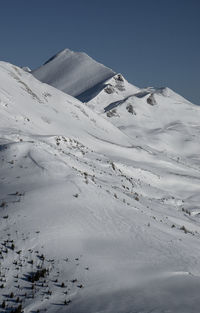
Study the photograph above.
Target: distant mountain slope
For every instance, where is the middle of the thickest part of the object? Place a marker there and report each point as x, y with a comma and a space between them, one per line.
158, 117
73, 72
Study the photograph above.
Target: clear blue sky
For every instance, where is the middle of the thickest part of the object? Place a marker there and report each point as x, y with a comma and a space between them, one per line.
151, 42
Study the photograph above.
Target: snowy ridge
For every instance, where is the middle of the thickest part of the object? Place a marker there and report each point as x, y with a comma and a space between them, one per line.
97, 213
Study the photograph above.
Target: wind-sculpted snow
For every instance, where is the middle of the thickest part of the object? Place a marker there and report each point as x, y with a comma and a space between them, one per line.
97, 213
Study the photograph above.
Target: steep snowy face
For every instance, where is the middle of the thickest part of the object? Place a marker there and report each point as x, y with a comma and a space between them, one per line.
73, 72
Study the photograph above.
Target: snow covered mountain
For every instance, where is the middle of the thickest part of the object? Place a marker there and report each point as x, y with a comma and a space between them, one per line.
155, 116
99, 209
73, 72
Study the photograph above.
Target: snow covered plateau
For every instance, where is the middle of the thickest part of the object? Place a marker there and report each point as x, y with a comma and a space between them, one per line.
99, 192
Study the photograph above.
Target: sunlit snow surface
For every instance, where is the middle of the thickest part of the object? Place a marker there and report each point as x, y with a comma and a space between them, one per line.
106, 204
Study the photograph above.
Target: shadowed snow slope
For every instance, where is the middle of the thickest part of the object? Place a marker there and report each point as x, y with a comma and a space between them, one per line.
94, 217
73, 72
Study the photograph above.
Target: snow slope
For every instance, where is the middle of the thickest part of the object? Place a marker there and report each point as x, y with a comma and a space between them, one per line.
73, 72
91, 219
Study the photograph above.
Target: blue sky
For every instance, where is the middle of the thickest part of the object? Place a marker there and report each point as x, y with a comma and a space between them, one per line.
151, 42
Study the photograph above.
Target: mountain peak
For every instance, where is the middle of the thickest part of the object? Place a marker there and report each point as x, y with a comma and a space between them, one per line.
63, 54
73, 72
